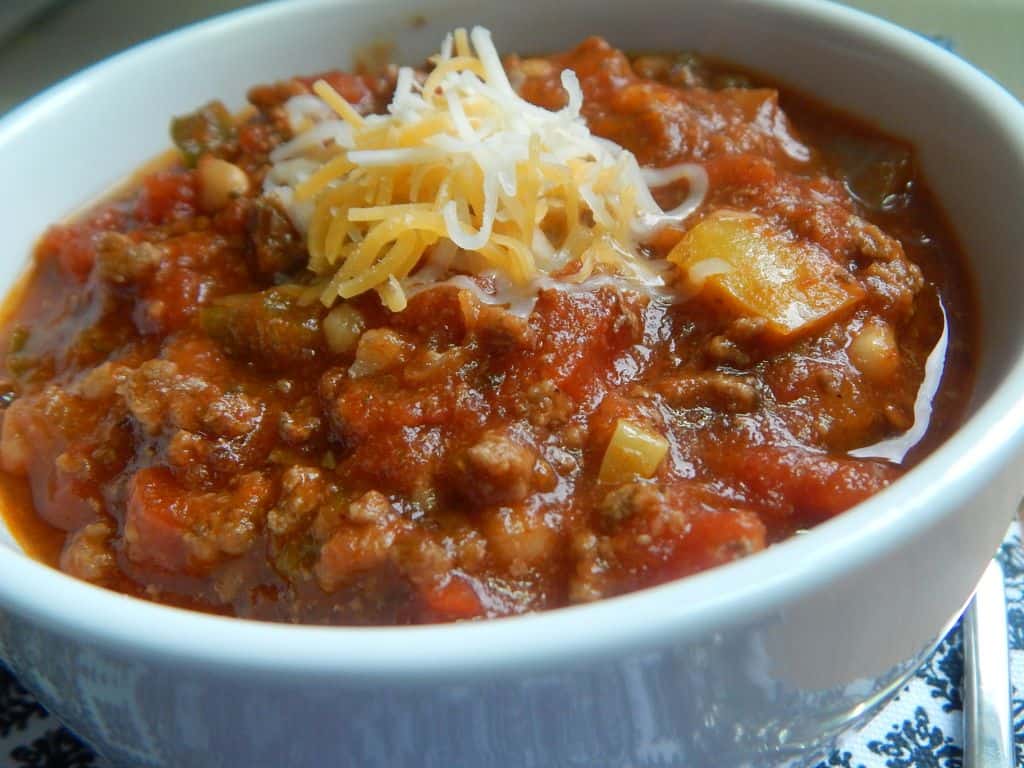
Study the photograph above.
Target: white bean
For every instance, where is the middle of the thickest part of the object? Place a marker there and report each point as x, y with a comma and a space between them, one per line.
874, 351
342, 328
219, 183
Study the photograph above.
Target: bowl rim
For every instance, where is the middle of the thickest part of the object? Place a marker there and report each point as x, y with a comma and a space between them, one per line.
713, 599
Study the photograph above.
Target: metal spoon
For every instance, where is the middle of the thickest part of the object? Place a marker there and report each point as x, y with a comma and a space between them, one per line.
988, 727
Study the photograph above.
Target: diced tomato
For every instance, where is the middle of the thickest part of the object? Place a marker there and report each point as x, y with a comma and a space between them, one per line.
796, 486
715, 537
194, 268
73, 246
582, 336
683, 528
395, 440
156, 520
167, 196
74, 249
199, 356
454, 599
30, 445
170, 302
740, 171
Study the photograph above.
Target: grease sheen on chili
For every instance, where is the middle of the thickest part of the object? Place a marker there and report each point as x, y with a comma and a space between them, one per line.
179, 426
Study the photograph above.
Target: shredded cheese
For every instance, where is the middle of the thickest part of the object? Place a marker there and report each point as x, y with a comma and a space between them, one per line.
462, 177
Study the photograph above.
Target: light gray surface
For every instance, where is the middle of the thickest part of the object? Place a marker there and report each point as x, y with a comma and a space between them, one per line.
82, 32
15, 14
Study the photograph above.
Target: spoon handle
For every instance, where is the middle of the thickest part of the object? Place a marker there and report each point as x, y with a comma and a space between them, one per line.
988, 730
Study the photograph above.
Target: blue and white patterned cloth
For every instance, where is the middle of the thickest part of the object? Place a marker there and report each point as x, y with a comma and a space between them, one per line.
923, 726
920, 728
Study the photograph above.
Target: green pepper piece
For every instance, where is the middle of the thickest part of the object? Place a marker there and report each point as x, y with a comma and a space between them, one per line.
270, 329
208, 129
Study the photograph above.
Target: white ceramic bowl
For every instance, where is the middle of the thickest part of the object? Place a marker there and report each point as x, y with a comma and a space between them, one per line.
758, 662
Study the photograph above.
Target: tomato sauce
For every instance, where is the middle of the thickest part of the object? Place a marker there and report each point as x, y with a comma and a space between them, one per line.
180, 425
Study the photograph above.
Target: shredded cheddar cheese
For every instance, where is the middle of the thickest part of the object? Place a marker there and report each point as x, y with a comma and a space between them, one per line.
461, 177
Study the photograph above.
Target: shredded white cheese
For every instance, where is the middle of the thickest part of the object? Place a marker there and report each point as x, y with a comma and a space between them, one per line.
463, 177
